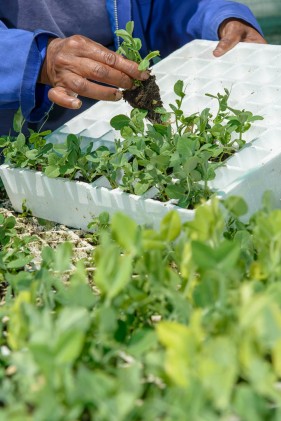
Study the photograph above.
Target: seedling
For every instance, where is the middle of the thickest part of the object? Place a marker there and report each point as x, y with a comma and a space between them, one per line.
131, 46
144, 95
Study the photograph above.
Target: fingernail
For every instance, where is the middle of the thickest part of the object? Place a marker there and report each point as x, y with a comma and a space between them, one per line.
76, 103
145, 75
118, 95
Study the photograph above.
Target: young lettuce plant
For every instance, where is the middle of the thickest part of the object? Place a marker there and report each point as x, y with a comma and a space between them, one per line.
146, 94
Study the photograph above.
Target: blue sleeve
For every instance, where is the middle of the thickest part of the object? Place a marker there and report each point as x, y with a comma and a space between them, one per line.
22, 54
210, 14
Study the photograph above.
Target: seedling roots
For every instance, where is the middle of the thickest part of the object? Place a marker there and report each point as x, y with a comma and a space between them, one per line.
146, 96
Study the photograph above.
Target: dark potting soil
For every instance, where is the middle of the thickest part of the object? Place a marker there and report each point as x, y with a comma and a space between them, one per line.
147, 97
223, 157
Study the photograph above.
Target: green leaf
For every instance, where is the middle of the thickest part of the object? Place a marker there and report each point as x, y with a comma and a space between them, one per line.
144, 64
170, 226
137, 43
4, 142
20, 262
104, 218
120, 121
178, 89
20, 141
218, 370
124, 231
248, 404
222, 258
236, 205
183, 146
152, 55
62, 257
124, 34
152, 240
122, 277
70, 330
203, 255
175, 191
52, 171
31, 154
142, 341
9, 222
18, 121
18, 326
130, 27
190, 164
141, 188
180, 343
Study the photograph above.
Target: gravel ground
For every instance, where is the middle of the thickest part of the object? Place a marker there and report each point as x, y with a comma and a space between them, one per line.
48, 233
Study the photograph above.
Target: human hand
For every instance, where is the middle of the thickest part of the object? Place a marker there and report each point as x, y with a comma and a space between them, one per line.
232, 31
73, 65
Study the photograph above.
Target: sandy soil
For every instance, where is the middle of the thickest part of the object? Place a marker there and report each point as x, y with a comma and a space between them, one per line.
48, 233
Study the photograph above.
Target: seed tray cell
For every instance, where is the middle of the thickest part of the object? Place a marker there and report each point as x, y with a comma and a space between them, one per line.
196, 103
248, 158
267, 57
244, 55
169, 65
265, 95
270, 140
99, 128
218, 85
255, 182
269, 74
191, 50
237, 73
254, 134
251, 72
217, 69
76, 126
225, 176
166, 81
192, 67
272, 115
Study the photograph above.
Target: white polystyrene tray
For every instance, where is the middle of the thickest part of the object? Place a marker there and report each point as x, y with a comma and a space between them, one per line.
253, 74
76, 203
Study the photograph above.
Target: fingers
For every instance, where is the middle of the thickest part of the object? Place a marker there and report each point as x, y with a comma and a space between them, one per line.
97, 71
233, 31
99, 53
61, 96
84, 87
73, 64
122, 64
65, 97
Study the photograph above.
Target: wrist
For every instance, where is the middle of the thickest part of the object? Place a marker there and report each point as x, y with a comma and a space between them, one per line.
43, 74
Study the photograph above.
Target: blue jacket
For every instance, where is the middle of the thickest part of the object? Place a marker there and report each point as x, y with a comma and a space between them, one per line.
164, 25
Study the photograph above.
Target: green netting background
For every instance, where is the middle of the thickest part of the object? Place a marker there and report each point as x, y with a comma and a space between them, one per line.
268, 13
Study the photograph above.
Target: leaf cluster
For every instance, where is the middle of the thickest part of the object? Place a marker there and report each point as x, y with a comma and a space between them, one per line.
131, 46
15, 252
188, 327
179, 157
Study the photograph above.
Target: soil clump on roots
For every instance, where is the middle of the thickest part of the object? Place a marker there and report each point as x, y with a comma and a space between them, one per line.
146, 96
